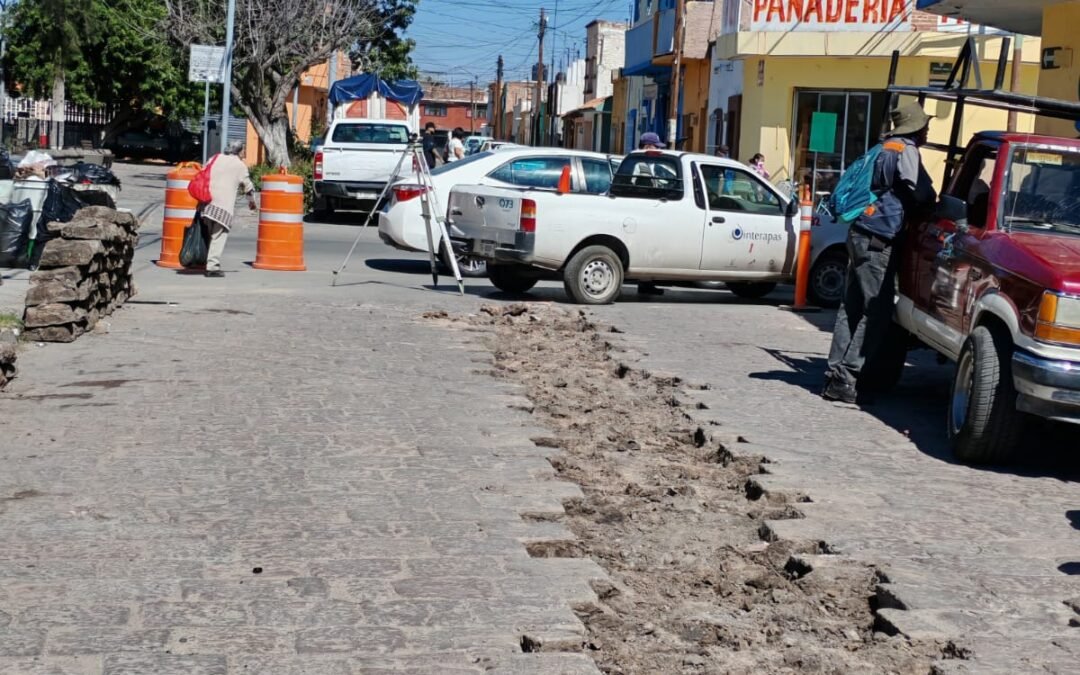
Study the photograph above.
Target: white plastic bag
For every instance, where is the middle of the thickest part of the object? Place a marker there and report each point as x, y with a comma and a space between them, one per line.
37, 157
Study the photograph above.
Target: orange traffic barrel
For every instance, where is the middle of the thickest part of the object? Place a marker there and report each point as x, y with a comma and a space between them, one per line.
179, 210
281, 223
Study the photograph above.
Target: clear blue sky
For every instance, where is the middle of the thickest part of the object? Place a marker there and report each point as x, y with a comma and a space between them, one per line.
460, 39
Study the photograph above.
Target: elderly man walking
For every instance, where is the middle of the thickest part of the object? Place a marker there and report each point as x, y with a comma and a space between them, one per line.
227, 175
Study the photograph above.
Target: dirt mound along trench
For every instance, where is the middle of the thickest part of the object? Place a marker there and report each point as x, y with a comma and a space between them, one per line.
693, 586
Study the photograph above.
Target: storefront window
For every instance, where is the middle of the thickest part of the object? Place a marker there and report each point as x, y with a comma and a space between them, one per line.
858, 115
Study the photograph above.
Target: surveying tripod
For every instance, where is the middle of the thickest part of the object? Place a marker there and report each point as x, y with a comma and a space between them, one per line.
433, 215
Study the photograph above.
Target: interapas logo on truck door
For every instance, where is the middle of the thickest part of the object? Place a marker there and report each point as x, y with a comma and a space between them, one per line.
828, 15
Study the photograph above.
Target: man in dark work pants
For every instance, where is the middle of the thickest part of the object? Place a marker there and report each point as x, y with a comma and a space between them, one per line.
905, 191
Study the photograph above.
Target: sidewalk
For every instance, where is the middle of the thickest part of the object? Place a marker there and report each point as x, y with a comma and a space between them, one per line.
263, 474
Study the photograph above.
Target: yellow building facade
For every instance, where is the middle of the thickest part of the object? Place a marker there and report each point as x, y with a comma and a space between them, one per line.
1061, 30
774, 86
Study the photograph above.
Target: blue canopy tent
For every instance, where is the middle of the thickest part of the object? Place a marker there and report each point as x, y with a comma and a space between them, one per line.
360, 87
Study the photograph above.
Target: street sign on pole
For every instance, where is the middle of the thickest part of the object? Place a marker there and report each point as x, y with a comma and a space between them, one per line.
207, 64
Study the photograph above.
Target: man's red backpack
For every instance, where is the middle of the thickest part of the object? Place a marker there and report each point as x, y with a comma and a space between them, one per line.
199, 187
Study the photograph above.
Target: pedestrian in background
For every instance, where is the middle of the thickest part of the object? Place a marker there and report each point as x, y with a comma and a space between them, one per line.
228, 175
757, 163
457, 145
429, 144
906, 193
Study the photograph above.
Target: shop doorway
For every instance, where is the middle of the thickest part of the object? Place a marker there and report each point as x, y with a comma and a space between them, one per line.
858, 126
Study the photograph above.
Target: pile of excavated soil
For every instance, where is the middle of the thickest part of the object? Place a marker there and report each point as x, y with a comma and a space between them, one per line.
693, 587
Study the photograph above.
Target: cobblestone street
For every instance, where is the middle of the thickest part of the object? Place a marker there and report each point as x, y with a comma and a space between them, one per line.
267, 474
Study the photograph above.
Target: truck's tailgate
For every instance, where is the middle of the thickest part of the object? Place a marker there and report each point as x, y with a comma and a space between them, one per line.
475, 208
362, 162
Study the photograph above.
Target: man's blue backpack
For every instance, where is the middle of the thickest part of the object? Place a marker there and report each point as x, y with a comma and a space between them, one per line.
854, 193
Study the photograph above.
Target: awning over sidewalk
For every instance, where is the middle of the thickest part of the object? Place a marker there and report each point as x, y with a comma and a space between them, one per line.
1018, 16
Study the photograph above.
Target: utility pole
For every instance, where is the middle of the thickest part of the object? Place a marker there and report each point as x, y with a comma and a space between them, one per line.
676, 72
1018, 64
538, 104
472, 104
226, 94
499, 105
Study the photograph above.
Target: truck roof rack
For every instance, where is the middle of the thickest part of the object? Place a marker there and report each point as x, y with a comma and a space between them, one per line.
958, 90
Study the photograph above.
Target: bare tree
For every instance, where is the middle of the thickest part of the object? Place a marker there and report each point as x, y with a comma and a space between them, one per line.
275, 42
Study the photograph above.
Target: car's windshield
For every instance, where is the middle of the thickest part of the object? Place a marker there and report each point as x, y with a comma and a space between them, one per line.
1043, 191
454, 166
370, 133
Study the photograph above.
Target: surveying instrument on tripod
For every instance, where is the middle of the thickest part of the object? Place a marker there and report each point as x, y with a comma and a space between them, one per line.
432, 212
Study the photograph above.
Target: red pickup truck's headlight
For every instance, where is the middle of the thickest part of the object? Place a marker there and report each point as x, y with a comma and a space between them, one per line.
1059, 319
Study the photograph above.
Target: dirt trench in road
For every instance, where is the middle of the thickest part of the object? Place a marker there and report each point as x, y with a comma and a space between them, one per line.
693, 588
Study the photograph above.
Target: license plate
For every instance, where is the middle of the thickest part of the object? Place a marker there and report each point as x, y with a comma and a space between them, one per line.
365, 195
487, 248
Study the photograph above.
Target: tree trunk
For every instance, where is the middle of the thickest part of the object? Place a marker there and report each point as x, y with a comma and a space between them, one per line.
277, 143
56, 140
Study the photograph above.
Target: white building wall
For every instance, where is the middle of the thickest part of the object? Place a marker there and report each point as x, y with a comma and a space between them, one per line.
726, 81
572, 90
605, 52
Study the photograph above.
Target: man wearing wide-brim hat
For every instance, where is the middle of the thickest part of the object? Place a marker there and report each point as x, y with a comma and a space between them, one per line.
905, 192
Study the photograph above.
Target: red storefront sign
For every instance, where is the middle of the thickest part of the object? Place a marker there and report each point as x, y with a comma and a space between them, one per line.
830, 15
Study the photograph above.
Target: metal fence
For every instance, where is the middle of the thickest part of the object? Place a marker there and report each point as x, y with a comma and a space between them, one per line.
26, 120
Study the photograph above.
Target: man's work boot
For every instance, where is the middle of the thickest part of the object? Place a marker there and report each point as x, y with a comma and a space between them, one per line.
837, 390
216, 274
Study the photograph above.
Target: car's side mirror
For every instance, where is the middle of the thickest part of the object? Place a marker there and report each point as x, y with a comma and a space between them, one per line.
792, 210
954, 209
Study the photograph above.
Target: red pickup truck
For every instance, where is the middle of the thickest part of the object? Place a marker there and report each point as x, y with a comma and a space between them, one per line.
992, 282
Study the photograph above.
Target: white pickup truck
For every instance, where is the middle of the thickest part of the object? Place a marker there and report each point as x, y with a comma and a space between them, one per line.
356, 162
668, 216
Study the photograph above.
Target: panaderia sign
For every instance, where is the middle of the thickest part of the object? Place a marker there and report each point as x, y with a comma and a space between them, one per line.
824, 15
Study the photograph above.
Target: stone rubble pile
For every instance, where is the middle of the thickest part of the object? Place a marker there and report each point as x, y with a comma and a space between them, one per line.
84, 274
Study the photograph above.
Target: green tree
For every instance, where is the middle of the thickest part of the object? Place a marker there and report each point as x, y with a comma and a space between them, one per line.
48, 40
136, 69
388, 54
275, 42
110, 53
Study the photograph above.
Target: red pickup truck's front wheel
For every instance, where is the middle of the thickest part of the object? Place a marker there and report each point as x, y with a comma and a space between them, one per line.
984, 425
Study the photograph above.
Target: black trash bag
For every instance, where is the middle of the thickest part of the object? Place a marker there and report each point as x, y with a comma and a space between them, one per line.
7, 167
196, 244
15, 222
93, 174
97, 198
60, 206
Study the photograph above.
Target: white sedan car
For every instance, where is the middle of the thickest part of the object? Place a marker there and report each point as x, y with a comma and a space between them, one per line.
401, 221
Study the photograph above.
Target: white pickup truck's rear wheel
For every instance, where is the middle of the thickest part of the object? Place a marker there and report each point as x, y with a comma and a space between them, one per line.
594, 276
984, 424
510, 279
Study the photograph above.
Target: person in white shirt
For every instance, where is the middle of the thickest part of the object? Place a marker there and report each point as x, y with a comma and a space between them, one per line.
457, 146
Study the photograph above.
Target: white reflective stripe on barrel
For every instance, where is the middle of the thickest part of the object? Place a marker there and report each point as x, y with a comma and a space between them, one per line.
272, 217
177, 184
187, 214
274, 186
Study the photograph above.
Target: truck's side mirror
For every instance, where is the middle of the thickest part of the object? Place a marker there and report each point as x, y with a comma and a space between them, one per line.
792, 210
952, 208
